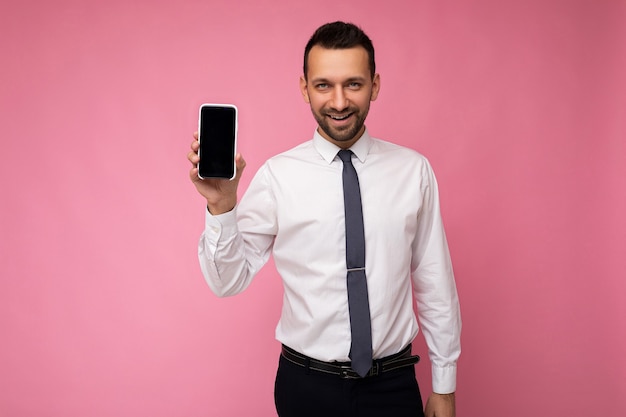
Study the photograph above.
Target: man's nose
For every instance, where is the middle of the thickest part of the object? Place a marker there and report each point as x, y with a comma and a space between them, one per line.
339, 101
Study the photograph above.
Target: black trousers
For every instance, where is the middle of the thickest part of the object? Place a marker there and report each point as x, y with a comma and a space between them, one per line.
300, 392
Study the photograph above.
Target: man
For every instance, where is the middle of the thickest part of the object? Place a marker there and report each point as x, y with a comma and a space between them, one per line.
346, 329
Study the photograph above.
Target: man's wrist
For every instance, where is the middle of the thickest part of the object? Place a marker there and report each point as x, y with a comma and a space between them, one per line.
220, 208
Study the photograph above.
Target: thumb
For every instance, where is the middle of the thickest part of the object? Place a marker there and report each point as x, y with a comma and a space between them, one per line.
240, 163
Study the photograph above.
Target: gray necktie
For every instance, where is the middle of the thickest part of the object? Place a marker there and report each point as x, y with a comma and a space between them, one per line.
360, 322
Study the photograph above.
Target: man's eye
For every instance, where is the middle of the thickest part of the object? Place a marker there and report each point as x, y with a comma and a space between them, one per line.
321, 86
354, 85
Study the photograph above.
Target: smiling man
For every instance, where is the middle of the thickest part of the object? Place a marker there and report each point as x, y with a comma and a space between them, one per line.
339, 86
354, 226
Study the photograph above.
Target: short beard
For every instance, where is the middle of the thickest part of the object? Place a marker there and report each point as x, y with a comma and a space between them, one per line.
341, 135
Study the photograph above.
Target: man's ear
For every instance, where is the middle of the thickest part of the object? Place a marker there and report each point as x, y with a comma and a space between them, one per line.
303, 90
375, 87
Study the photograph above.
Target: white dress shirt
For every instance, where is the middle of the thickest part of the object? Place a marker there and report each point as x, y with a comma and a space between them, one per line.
293, 209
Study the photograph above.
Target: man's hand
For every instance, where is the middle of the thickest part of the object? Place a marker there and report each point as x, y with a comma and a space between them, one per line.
220, 194
440, 405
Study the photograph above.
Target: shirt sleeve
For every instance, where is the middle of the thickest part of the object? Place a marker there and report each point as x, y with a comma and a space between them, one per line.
435, 289
234, 246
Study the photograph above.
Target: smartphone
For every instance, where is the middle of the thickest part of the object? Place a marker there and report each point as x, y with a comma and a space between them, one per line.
217, 136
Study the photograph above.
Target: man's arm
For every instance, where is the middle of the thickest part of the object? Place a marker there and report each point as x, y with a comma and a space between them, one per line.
437, 299
229, 259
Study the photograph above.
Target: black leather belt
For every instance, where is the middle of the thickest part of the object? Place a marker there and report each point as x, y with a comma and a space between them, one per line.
343, 369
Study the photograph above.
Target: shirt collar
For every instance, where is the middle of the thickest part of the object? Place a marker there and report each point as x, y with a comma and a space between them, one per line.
329, 150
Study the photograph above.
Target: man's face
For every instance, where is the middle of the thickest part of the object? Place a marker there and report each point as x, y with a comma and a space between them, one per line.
339, 88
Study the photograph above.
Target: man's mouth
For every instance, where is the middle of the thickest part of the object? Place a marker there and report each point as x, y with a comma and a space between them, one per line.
340, 117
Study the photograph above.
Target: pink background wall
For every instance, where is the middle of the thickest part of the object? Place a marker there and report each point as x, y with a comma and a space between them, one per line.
519, 105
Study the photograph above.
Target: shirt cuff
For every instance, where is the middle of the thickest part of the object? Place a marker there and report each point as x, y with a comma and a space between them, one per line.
444, 379
224, 220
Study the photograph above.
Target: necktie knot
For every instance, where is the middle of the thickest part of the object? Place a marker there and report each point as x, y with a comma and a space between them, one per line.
345, 155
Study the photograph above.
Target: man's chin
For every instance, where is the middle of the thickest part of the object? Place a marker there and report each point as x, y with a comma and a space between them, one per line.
340, 135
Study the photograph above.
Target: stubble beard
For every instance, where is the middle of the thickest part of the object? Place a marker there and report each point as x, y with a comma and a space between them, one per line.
344, 133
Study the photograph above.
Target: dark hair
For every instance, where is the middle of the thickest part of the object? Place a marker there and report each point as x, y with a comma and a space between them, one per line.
340, 35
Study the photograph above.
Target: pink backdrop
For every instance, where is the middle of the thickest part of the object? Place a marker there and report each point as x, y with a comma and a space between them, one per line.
519, 105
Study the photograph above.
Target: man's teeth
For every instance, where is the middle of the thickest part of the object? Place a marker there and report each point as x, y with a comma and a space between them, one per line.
339, 117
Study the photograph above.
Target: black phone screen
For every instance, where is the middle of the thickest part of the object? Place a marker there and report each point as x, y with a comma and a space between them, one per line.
217, 137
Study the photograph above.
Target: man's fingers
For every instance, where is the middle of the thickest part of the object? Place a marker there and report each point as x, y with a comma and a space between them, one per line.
193, 174
193, 157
